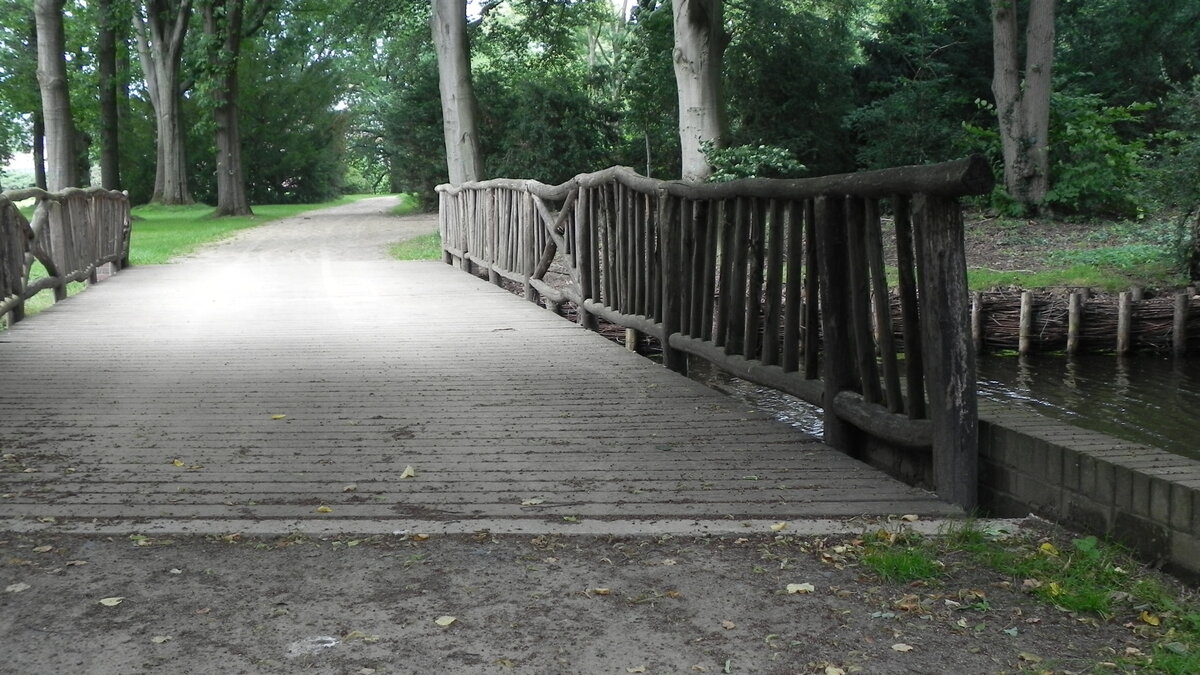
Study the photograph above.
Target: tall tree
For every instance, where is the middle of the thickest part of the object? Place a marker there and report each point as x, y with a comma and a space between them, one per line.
225, 28
1023, 103
449, 27
700, 41
161, 28
56, 100
106, 61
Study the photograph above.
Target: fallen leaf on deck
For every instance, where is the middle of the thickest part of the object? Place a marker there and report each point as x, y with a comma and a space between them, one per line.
420, 536
800, 588
43, 549
74, 563
599, 591
16, 588
728, 625
350, 488
112, 602
324, 509
278, 417
179, 462
409, 472
636, 669
360, 635
534, 501
159, 639
901, 647
444, 621
779, 526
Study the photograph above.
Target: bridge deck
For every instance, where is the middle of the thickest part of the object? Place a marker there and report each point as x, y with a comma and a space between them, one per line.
153, 401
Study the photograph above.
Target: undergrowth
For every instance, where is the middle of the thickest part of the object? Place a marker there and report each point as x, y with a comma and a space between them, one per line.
1086, 576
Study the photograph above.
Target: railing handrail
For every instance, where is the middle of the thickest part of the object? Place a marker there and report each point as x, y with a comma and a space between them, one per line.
959, 178
73, 232
760, 276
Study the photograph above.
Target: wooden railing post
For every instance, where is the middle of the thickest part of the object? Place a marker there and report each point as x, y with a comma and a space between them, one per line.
839, 355
583, 257
670, 239
949, 356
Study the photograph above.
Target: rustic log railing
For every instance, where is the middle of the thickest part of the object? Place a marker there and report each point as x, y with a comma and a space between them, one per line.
781, 282
73, 232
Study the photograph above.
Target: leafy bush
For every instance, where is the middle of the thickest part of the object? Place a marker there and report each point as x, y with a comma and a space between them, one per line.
1094, 167
1174, 173
751, 161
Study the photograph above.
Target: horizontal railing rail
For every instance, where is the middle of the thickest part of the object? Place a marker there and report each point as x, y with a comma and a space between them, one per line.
781, 282
72, 233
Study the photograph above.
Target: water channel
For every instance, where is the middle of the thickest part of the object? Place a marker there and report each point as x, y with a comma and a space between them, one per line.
1145, 399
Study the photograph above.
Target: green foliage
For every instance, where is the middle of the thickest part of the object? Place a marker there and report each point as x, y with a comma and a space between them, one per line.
548, 130
926, 65
649, 129
751, 161
1174, 173
1094, 165
788, 78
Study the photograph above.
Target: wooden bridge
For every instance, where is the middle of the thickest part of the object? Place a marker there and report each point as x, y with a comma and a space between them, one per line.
296, 379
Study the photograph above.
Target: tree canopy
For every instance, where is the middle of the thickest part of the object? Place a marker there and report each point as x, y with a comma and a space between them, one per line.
343, 95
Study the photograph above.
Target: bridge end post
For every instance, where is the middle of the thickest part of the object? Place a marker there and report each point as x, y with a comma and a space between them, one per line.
839, 361
949, 352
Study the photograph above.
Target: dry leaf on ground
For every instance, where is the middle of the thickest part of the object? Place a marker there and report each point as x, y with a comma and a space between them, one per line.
444, 621
112, 602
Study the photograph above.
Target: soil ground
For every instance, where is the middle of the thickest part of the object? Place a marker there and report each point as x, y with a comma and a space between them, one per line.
545, 604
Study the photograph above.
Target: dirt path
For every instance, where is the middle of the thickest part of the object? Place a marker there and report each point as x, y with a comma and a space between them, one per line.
360, 231
520, 604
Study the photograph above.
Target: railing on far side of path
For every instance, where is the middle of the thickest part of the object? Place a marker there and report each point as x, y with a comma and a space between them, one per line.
781, 282
72, 233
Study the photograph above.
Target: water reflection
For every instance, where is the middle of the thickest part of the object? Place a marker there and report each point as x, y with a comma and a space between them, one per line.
1141, 398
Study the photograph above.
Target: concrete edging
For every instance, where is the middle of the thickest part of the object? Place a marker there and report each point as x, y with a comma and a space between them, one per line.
1143, 497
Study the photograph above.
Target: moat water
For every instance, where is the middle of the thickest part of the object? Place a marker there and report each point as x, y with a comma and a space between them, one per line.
1145, 399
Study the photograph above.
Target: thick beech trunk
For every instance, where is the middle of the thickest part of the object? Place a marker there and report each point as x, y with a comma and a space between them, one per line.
223, 25
1023, 103
106, 65
160, 34
56, 102
699, 44
449, 27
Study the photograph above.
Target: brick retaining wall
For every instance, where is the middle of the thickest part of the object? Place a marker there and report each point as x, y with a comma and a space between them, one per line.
1143, 497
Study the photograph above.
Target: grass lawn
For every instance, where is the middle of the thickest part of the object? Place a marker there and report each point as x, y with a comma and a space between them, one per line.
163, 233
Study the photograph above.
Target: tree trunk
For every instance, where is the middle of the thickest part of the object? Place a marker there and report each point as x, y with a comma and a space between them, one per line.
39, 150
699, 45
56, 101
1023, 104
160, 36
106, 64
449, 28
223, 25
